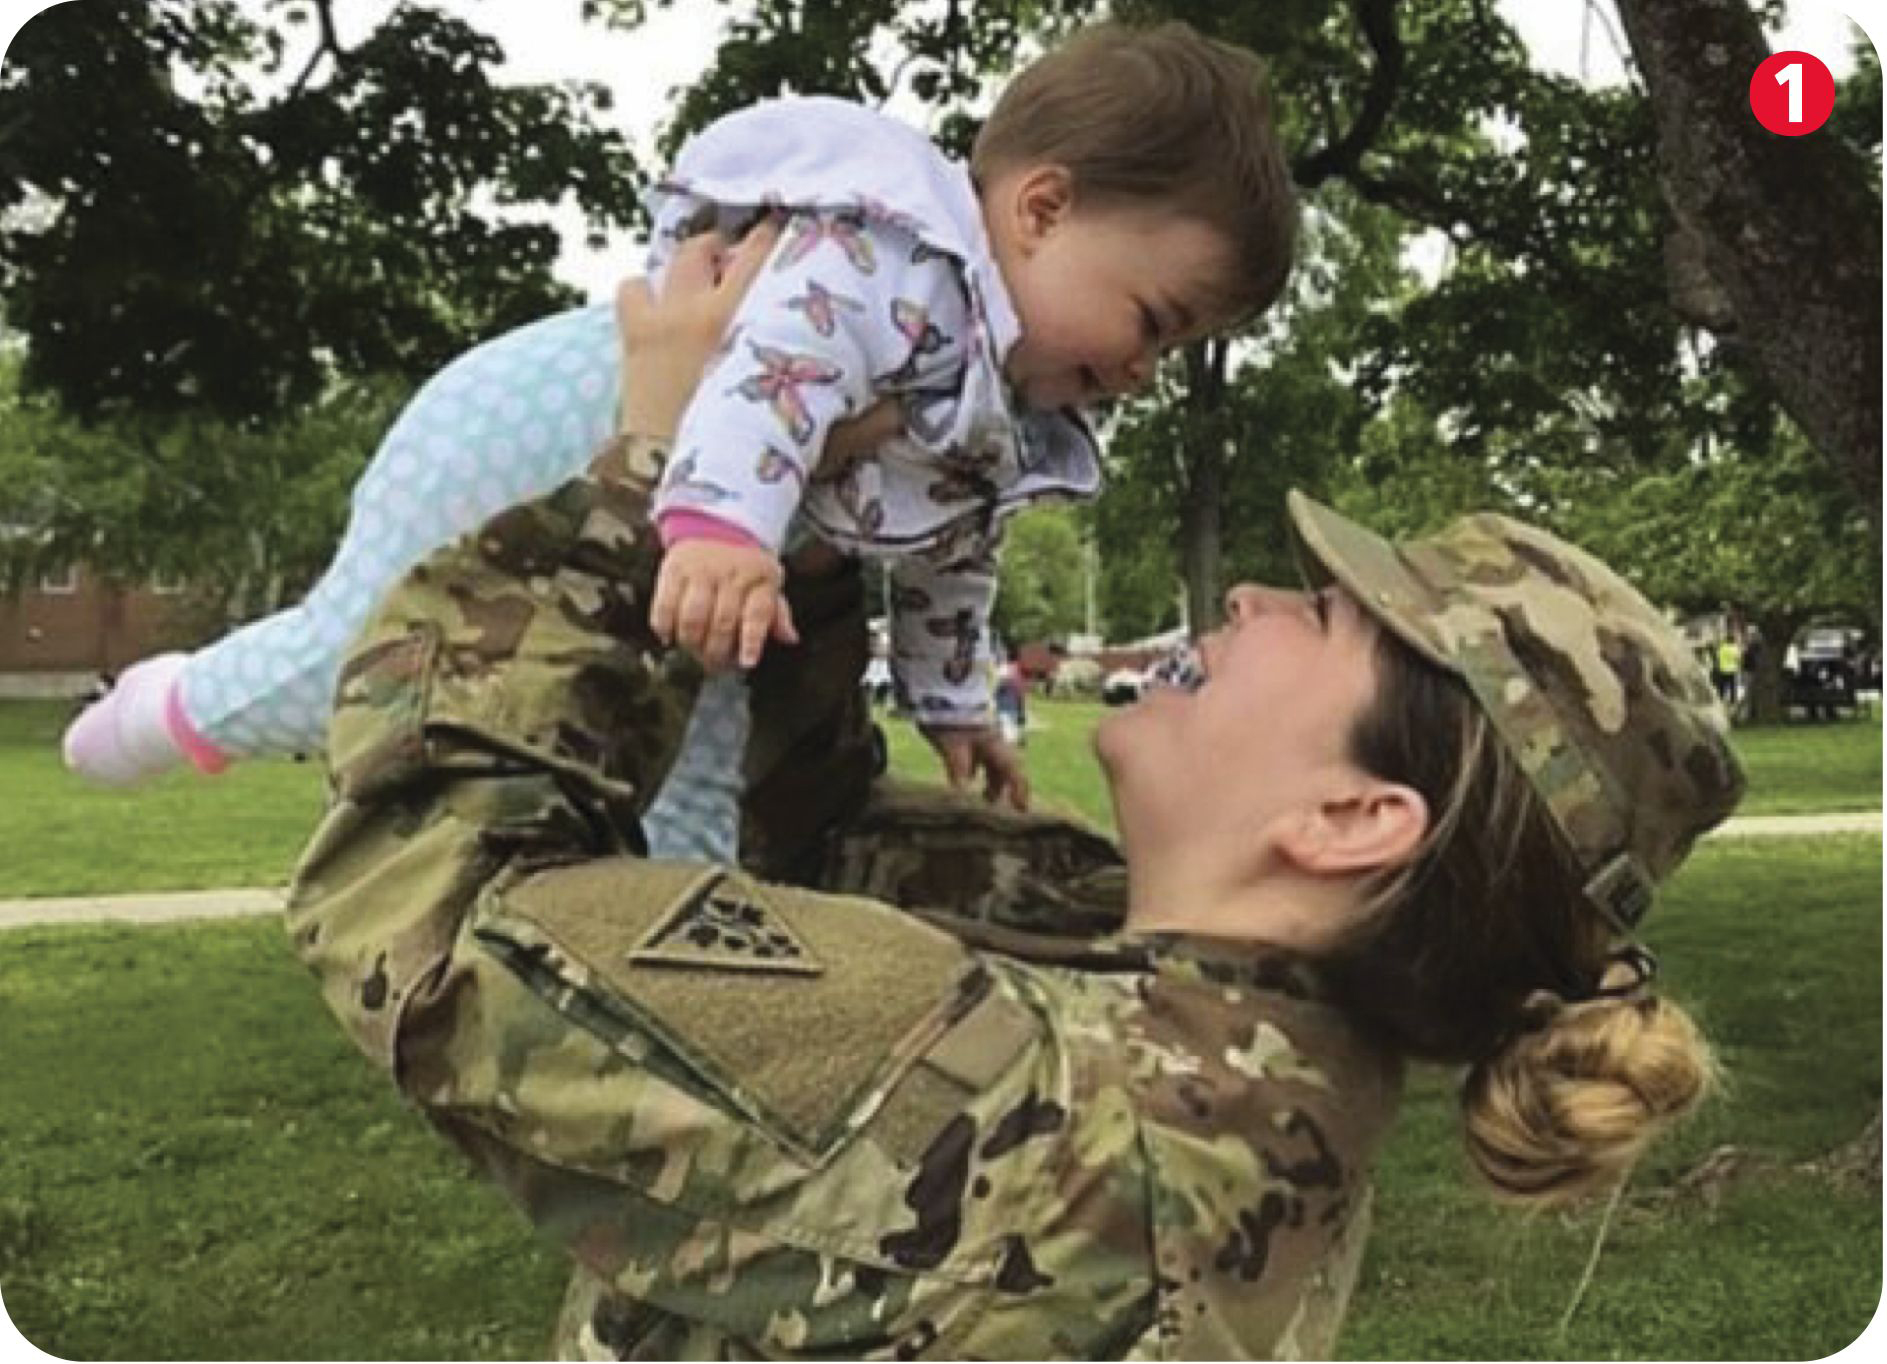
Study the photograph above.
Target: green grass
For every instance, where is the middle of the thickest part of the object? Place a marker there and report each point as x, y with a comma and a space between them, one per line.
1805, 768
179, 832
245, 828
1060, 752
195, 1164
1775, 948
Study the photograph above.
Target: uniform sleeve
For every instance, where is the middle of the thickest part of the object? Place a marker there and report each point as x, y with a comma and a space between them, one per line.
940, 656
847, 308
810, 1120
924, 847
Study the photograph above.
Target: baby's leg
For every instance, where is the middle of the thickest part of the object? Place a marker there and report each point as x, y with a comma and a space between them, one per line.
506, 421
696, 814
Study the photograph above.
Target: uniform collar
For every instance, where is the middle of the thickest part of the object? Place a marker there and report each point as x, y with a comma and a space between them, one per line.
1238, 962
1192, 957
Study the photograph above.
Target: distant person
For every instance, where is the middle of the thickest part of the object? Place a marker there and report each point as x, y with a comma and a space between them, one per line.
1728, 670
1012, 707
1128, 194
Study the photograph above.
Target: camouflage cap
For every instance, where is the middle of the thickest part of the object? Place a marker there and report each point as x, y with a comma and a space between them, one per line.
1595, 694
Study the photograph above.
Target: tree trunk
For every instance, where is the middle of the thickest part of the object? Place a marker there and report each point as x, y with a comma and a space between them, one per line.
1201, 538
1777, 629
1786, 228
1202, 499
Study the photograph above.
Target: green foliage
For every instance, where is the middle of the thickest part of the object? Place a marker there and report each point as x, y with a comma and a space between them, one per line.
946, 56
1288, 416
1857, 113
248, 206
245, 515
1766, 531
211, 242
1043, 586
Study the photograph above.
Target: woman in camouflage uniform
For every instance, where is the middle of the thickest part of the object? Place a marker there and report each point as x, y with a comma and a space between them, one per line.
1057, 1105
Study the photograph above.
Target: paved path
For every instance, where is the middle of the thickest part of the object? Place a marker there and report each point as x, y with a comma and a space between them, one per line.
150, 908
163, 907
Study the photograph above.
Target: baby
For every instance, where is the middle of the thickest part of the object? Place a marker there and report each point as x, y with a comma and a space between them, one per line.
1127, 194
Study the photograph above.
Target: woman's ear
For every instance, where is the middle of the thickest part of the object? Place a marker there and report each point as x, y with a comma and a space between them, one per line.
1368, 825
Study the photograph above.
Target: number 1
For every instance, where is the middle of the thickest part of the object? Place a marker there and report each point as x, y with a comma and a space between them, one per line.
1791, 76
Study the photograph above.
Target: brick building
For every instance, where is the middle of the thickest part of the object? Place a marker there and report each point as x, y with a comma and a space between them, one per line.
60, 632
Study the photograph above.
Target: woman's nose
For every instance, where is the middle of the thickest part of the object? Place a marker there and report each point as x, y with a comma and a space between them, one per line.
1242, 602
1246, 600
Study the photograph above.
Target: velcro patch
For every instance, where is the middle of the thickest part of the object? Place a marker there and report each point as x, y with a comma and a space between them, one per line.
727, 925
799, 1009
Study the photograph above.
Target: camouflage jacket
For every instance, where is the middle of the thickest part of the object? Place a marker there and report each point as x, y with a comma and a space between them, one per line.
768, 1120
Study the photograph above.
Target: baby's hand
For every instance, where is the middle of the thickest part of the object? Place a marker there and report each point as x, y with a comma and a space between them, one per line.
966, 751
720, 602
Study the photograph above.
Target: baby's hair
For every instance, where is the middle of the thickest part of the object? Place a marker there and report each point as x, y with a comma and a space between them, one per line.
1160, 118
1483, 951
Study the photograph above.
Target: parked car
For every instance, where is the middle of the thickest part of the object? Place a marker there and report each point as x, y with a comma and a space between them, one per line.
1122, 687
1825, 679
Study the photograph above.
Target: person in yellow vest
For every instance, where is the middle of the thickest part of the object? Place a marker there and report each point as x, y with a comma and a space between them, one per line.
1728, 670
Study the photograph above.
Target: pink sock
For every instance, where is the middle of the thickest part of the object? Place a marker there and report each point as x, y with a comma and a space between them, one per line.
139, 728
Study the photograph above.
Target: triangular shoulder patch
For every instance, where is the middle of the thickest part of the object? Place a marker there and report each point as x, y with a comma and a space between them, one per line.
727, 924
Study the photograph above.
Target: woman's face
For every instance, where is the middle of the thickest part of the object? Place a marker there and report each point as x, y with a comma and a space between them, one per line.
1286, 680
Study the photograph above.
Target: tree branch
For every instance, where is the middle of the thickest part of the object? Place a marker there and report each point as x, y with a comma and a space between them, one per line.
1418, 200
328, 44
1377, 20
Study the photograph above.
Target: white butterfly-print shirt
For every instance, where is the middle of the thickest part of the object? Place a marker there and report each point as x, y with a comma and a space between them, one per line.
882, 286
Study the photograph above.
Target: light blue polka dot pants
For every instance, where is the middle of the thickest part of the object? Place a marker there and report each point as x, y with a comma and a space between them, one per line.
505, 422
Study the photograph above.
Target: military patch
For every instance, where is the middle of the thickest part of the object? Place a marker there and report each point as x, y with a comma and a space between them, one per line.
805, 1047
725, 925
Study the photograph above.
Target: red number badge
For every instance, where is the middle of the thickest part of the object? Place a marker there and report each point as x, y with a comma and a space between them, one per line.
1792, 93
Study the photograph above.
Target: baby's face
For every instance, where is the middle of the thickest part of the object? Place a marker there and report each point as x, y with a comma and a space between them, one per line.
1101, 293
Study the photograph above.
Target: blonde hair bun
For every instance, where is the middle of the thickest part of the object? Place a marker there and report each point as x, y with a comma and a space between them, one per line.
1565, 1107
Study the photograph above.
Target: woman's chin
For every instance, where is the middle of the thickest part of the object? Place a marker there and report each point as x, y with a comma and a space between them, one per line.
1121, 732
1106, 740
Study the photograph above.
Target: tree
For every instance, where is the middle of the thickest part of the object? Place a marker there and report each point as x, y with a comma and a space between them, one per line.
1765, 530
1550, 340
1205, 460
1747, 519
1042, 595
1776, 240
246, 517
949, 56
250, 207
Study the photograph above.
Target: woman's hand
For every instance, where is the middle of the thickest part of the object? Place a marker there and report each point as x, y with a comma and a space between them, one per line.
668, 342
